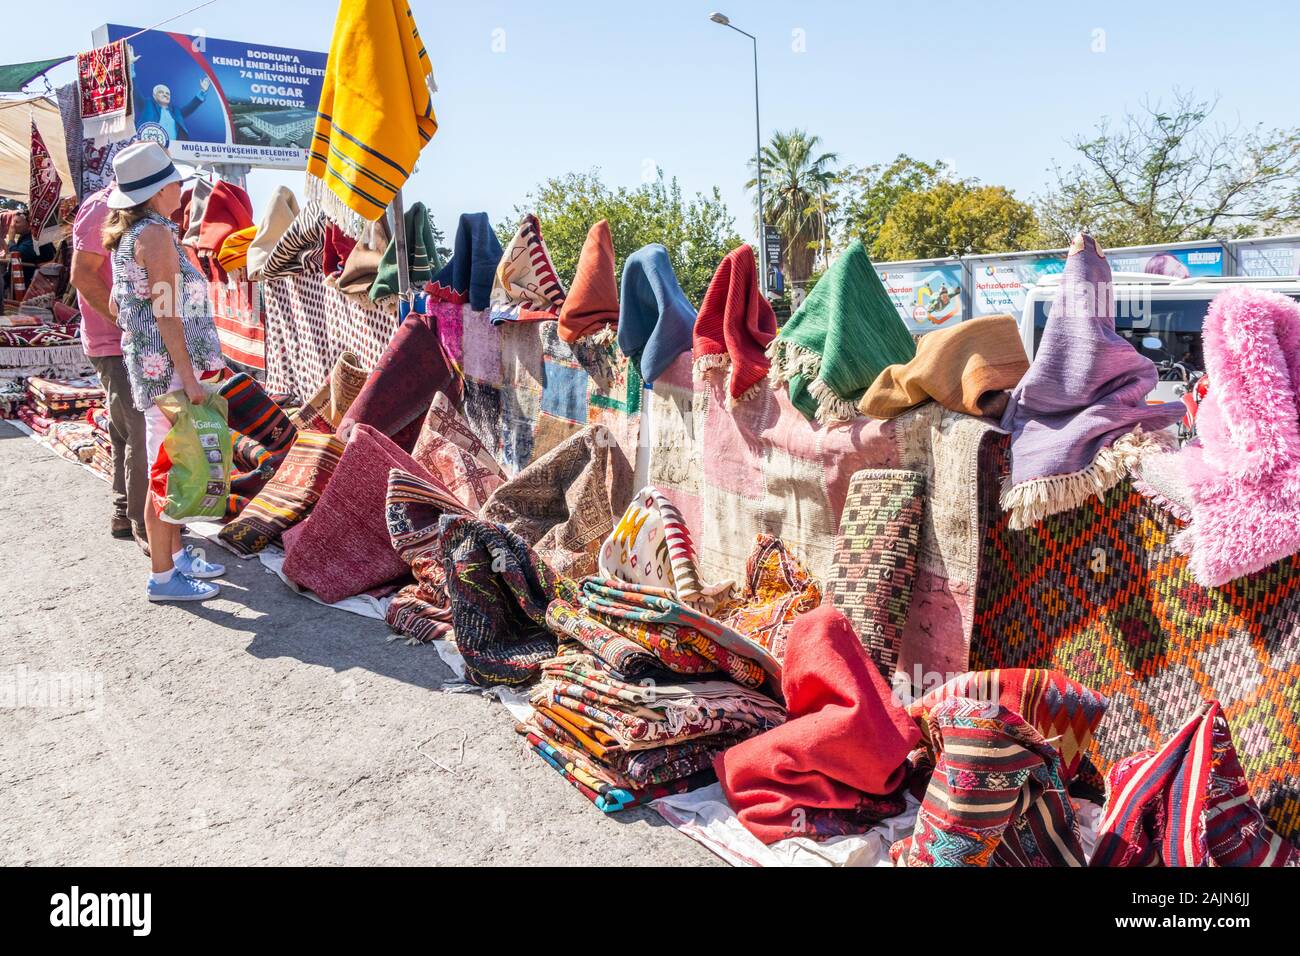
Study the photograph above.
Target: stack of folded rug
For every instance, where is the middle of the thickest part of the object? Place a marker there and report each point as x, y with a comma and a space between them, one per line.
101, 459
49, 401
658, 673
621, 742
647, 590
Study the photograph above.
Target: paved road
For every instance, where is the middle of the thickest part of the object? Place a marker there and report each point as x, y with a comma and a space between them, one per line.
257, 728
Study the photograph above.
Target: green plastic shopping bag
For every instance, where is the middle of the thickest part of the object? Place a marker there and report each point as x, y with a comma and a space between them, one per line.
191, 477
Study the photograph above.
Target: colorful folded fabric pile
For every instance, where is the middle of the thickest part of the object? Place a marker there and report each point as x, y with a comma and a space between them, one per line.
55, 398
622, 743
648, 589
48, 402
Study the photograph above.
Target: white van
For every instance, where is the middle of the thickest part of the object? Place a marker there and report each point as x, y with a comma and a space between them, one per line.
1160, 315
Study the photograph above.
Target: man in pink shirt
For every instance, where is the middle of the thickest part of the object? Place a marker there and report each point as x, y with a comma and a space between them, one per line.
101, 340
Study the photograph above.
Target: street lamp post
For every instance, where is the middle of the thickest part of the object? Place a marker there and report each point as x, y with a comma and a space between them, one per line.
722, 20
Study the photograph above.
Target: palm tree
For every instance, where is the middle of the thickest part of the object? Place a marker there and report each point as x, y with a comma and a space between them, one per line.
797, 182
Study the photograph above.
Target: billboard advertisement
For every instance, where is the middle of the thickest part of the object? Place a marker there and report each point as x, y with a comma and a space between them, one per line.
1001, 285
927, 297
1177, 263
1269, 258
219, 101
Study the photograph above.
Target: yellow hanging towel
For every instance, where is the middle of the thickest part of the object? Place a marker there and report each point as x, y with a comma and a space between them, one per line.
375, 114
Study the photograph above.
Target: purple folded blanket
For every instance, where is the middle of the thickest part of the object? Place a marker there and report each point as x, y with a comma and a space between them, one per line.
1079, 419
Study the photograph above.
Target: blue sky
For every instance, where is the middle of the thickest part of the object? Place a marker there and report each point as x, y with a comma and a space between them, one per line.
994, 88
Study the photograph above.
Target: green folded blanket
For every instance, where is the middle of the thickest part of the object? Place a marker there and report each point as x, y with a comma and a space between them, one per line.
846, 332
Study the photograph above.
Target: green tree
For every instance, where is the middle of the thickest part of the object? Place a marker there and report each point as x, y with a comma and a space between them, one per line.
1166, 175
955, 217
697, 231
865, 195
798, 182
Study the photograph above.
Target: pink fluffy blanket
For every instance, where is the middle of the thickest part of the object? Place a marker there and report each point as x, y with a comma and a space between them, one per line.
1243, 472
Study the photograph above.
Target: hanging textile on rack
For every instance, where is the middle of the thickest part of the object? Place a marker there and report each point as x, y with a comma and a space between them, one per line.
104, 79
371, 123
74, 143
43, 192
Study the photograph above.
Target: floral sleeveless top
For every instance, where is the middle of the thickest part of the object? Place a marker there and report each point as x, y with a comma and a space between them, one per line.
148, 364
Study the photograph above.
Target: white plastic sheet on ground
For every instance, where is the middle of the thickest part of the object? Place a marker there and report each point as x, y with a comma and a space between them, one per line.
363, 604
704, 816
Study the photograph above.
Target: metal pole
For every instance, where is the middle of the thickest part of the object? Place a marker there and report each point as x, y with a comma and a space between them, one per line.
758, 168
398, 220
723, 20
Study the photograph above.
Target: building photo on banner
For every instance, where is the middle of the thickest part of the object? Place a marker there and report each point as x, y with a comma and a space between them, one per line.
208, 100
399, 478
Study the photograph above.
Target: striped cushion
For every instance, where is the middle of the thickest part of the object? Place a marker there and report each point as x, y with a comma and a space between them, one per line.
255, 414
996, 797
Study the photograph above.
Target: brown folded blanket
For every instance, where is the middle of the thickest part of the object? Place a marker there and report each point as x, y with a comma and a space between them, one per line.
967, 368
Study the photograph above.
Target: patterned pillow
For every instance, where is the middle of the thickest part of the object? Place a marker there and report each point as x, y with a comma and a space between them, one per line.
344, 548
289, 496
874, 566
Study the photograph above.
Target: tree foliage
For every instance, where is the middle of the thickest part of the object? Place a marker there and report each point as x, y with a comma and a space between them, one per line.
697, 231
1167, 175
952, 218
797, 184
865, 195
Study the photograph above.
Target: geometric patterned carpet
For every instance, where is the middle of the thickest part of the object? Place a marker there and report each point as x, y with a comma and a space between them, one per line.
1100, 594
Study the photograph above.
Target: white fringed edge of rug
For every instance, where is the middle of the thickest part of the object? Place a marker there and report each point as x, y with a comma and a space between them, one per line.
339, 212
707, 363
1031, 501
789, 360
57, 358
606, 336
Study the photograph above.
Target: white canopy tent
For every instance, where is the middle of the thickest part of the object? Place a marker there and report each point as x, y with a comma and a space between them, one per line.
16, 116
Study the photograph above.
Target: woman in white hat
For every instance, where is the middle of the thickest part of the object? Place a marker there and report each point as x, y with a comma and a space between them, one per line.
169, 341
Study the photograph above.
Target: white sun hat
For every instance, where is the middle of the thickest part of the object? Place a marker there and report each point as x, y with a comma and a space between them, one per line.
141, 169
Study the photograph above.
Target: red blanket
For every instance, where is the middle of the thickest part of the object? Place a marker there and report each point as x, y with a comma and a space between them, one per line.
839, 762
